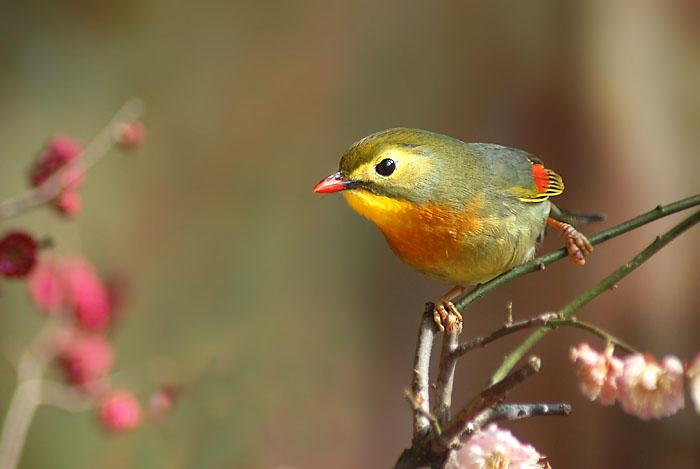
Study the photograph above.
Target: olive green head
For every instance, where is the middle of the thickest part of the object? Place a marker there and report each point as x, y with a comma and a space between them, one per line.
410, 164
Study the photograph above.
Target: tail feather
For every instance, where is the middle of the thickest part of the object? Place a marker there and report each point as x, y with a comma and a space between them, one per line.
575, 218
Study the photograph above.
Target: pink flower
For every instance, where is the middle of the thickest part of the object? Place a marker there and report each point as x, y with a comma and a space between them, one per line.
131, 134
70, 283
17, 254
120, 411
45, 286
693, 376
649, 389
61, 150
68, 202
86, 293
497, 449
63, 154
85, 360
598, 373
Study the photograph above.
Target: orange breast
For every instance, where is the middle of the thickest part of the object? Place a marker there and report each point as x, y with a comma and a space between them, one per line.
431, 238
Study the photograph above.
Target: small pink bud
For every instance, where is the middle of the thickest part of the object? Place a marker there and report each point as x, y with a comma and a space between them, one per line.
494, 448
598, 373
131, 134
85, 359
693, 376
120, 411
68, 202
17, 254
649, 389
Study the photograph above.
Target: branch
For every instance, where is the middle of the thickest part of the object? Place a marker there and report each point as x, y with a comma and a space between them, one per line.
540, 262
99, 145
501, 412
550, 320
446, 374
661, 241
420, 384
486, 399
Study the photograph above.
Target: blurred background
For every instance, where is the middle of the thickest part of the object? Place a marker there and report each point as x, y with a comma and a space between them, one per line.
284, 318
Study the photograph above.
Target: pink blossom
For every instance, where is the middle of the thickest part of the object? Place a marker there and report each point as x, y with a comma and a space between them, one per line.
86, 293
45, 285
598, 373
85, 359
60, 151
120, 411
494, 448
693, 376
649, 389
71, 284
68, 202
17, 254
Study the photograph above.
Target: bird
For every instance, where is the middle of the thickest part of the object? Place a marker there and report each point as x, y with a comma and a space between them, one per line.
460, 213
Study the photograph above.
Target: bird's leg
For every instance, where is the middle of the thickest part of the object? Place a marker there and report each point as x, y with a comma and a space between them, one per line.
445, 314
577, 244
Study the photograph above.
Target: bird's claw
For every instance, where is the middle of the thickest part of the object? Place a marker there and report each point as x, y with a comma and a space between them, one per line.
447, 317
577, 245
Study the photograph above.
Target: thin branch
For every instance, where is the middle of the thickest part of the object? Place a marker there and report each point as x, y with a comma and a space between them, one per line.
446, 374
480, 342
99, 145
604, 285
501, 412
550, 320
64, 397
539, 263
420, 384
486, 399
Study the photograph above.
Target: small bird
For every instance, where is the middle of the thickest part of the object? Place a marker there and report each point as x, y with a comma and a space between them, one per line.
461, 213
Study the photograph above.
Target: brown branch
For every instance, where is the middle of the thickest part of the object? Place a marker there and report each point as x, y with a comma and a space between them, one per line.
446, 374
486, 399
482, 341
420, 384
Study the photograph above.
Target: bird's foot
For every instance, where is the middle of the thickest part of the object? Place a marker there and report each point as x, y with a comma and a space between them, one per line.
577, 245
445, 315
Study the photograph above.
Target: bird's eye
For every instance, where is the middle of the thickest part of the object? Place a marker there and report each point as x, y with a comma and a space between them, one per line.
386, 167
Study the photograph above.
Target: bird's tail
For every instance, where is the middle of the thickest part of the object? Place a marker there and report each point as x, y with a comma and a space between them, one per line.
575, 218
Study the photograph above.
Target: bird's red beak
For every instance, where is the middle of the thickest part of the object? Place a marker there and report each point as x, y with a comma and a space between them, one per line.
333, 183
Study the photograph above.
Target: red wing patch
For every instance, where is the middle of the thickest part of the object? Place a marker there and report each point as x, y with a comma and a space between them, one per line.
547, 183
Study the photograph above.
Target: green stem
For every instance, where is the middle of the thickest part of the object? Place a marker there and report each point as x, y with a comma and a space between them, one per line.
537, 264
573, 322
661, 241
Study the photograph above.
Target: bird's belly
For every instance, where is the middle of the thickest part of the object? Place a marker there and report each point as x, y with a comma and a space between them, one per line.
466, 260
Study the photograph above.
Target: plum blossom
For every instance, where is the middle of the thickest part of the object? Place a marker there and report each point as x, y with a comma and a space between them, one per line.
649, 389
494, 448
598, 372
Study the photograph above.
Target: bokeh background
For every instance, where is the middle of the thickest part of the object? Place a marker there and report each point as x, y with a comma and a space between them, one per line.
282, 315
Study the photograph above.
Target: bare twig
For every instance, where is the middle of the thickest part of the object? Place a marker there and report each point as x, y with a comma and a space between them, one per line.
516, 412
550, 320
445, 378
420, 384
